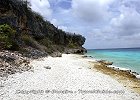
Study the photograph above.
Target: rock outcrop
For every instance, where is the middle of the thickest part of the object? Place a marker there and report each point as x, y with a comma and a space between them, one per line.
12, 62
18, 14
104, 62
76, 51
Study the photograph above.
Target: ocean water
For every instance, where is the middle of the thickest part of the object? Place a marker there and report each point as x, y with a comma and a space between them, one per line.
124, 58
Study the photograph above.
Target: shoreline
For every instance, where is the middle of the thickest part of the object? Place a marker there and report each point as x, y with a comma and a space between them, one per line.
116, 67
70, 72
127, 77
125, 69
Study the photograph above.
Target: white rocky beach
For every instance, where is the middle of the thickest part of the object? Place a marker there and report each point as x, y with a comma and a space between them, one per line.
69, 77
69, 49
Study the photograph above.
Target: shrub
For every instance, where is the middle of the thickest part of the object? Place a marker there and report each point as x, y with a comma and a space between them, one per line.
30, 41
46, 42
71, 44
7, 37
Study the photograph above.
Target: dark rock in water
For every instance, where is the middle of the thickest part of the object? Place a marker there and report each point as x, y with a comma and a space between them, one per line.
135, 73
56, 54
87, 56
105, 62
90, 56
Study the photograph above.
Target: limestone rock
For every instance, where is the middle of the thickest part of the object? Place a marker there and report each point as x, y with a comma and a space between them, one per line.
105, 62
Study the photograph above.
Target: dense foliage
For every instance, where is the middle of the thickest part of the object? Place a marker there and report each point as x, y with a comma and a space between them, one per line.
7, 37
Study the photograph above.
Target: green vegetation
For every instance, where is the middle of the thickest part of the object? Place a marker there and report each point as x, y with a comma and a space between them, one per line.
45, 41
7, 37
32, 30
71, 44
28, 40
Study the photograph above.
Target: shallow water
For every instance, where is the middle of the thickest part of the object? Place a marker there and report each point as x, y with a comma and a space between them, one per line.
125, 58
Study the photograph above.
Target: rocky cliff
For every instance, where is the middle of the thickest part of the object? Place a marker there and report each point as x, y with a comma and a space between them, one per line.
32, 31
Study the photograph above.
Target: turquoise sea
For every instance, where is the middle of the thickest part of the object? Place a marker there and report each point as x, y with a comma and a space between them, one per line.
126, 58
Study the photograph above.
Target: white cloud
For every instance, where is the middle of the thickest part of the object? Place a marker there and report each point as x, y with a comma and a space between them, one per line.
91, 10
64, 28
122, 31
42, 7
105, 23
54, 21
127, 23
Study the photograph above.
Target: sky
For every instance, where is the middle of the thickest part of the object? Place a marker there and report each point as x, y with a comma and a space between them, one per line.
104, 23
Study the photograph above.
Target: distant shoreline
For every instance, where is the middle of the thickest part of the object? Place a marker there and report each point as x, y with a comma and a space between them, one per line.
127, 58
124, 76
118, 68
116, 48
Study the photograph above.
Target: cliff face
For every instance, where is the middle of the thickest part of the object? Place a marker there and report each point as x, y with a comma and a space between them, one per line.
19, 15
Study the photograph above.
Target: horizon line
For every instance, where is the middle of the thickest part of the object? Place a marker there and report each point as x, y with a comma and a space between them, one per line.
115, 48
